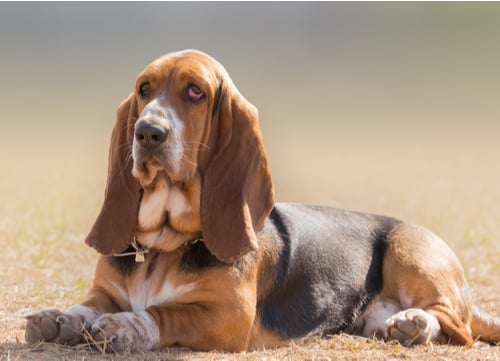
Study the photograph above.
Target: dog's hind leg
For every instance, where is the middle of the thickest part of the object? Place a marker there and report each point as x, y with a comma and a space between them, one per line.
423, 278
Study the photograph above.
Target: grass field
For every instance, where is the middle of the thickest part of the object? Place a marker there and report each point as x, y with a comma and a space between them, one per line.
51, 191
388, 108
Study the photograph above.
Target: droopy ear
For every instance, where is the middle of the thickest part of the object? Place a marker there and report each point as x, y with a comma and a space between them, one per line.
116, 224
237, 193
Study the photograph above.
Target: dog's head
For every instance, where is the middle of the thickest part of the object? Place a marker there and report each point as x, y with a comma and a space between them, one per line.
186, 119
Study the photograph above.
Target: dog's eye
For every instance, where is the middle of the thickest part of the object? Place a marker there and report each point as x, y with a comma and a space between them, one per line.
195, 94
144, 90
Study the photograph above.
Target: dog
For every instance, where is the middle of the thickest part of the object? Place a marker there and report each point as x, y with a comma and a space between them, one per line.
196, 253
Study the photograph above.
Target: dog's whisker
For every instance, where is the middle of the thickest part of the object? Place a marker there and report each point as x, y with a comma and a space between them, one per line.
188, 161
200, 144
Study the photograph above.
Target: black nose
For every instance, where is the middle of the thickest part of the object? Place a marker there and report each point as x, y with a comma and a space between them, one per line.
150, 135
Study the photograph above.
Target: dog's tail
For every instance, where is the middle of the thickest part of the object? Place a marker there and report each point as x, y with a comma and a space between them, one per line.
484, 326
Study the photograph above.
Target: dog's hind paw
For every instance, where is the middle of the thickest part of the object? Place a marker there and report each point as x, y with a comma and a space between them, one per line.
413, 327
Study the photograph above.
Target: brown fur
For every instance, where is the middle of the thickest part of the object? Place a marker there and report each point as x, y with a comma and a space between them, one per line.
423, 268
206, 317
116, 223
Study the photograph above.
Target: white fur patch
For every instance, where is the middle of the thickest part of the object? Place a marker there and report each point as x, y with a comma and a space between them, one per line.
121, 290
177, 202
86, 313
176, 148
127, 331
142, 296
152, 209
157, 113
413, 326
376, 316
152, 332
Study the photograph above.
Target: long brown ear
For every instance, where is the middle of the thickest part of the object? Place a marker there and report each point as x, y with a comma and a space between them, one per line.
116, 224
237, 192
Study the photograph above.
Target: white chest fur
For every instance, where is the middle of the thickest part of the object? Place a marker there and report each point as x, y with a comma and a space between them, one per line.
145, 294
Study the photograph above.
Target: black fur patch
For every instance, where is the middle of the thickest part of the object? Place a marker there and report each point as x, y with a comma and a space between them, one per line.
152, 263
124, 264
197, 257
217, 100
328, 270
374, 281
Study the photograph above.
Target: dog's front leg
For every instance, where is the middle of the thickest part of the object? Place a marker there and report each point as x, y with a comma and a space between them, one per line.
70, 327
126, 331
55, 326
67, 328
196, 326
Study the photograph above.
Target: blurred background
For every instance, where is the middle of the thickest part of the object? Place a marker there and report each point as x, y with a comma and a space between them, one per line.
390, 108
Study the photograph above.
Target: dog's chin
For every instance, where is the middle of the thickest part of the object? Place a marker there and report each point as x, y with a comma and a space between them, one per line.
148, 170
147, 173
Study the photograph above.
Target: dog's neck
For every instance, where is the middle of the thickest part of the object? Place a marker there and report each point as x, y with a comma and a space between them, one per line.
169, 214
166, 239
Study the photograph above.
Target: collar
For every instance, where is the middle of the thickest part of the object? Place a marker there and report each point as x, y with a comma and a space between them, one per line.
140, 250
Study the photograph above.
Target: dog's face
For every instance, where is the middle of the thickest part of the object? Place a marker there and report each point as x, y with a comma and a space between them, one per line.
176, 97
191, 131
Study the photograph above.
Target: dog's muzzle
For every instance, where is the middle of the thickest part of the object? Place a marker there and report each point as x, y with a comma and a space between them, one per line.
149, 136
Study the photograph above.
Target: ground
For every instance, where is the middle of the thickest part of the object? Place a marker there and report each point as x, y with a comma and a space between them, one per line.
50, 197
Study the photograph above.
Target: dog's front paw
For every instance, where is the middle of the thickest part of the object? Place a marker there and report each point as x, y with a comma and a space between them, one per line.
54, 326
413, 326
125, 331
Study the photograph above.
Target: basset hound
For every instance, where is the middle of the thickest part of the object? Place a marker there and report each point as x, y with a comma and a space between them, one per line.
196, 253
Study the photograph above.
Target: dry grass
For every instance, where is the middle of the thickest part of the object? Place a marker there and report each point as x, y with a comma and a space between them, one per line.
338, 347
51, 196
